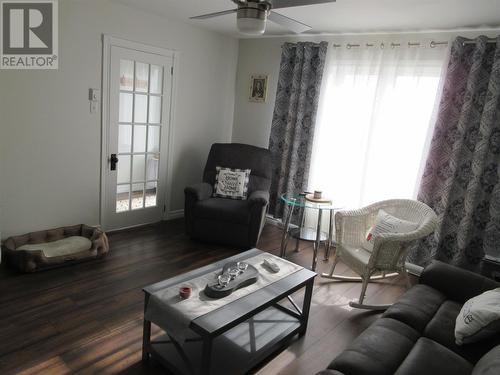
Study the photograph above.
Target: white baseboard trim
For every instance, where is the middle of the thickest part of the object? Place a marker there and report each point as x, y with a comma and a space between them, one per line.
174, 214
125, 228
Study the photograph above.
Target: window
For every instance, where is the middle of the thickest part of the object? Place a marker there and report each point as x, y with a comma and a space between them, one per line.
374, 120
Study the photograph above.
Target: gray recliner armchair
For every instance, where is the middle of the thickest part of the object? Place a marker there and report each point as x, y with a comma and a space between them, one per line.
230, 221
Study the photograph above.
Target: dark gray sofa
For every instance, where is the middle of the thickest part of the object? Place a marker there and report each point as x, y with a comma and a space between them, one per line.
416, 334
229, 221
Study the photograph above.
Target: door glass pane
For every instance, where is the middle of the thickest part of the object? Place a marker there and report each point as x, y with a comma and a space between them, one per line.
125, 107
123, 175
153, 138
138, 168
122, 198
126, 75
151, 188
139, 138
124, 138
152, 172
141, 77
137, 196
154, 109
156, 79
141, 108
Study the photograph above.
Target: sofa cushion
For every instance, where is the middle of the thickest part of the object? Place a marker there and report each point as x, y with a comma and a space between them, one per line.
66, 246
430, 357
489, 364
441, 329
221, 209
416, 307
379, 350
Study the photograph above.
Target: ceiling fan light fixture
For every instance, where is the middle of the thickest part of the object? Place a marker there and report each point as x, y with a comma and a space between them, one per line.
251, 21
251, 26
252, 15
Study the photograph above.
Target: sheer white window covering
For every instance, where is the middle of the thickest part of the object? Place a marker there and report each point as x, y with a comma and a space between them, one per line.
374, 119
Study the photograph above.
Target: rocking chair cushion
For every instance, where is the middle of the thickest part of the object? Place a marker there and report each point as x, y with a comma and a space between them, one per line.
385, 223
356, 258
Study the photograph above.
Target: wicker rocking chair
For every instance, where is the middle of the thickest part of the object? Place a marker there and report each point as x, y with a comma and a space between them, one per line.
390, 249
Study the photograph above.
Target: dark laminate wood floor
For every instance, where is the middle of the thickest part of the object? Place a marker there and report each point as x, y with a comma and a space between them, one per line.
87, 318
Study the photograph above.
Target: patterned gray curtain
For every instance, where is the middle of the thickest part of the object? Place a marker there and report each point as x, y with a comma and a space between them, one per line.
294, 118
461, 178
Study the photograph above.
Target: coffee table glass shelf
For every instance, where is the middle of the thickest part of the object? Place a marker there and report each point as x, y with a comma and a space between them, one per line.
235, 338
297, 203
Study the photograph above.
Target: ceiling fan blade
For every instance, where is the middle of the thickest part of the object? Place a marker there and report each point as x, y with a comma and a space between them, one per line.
211, 15
297, 3
289, 23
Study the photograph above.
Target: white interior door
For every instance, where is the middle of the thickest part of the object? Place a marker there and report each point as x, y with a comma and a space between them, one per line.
140, 86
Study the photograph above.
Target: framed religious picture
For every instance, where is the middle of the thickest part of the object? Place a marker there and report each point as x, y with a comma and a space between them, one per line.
258, 88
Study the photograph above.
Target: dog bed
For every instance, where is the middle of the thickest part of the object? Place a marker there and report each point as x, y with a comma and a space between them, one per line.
55, 247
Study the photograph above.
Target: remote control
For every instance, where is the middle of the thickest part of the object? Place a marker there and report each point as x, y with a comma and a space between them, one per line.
272, 266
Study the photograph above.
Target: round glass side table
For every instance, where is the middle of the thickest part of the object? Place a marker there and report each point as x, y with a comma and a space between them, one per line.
298, 202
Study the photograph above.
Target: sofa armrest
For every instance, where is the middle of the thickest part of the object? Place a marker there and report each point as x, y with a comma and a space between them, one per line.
454, 282
330, 372
259, 197
199, 191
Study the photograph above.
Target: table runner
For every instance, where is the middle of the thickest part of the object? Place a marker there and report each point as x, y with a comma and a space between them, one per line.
174, 315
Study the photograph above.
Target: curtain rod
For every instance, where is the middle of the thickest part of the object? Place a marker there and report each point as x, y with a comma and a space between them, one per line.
474, 42
432, 44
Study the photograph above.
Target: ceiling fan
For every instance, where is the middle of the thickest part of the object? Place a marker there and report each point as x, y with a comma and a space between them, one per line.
253, 14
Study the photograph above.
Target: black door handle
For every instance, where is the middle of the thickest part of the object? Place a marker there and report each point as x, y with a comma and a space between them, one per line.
113, 160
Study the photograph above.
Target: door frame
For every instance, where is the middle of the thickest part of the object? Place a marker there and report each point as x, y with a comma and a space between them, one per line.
109, 41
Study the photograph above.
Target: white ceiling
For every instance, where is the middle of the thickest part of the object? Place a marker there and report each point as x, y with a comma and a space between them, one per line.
344, 16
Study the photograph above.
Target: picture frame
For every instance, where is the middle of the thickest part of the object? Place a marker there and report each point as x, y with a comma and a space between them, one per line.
258, 88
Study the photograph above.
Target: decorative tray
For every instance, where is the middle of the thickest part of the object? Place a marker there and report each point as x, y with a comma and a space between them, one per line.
310, 197
245, 277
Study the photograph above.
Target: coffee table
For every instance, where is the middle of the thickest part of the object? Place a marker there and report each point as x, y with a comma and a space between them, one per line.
236, 337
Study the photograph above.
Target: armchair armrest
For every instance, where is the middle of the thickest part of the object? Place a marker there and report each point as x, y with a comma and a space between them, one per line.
393, 247
199, 191
456, 283
421, 232
259, 197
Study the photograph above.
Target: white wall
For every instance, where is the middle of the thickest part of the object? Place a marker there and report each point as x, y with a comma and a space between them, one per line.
50, 142
252, 121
